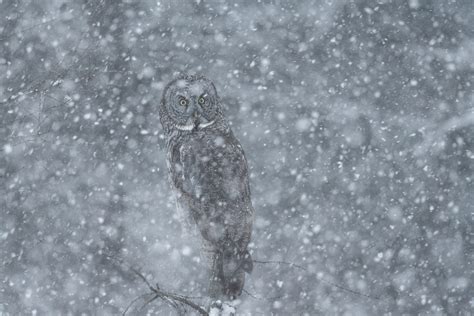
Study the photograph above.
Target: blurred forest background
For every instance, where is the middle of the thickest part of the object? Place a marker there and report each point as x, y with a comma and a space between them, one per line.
357, 119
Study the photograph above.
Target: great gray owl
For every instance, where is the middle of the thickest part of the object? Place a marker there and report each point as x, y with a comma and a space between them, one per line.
208, 171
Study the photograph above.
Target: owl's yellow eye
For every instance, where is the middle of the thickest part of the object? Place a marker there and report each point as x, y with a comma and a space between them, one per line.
183, 102
201, 100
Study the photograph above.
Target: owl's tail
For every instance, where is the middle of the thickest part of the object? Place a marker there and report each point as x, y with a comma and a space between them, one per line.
228, 272
234, 266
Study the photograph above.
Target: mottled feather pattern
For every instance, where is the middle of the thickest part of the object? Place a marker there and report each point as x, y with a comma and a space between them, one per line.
208, 171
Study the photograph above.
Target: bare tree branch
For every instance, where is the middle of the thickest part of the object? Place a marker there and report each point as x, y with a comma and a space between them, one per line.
166, 296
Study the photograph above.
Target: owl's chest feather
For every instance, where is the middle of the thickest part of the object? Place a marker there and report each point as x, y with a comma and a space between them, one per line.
211, 164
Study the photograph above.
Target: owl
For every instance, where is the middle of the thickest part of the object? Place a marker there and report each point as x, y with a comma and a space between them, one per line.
209, 174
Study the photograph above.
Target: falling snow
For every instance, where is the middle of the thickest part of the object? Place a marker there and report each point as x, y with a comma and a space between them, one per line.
356, 117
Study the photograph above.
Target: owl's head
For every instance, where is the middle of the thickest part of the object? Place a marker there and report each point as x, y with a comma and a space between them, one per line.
189, 103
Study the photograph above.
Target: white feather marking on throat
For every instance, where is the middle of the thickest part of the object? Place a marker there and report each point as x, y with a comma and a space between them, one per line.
191, 127
185, 127
201, 126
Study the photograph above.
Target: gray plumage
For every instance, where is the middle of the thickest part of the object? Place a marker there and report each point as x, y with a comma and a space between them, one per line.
208, 171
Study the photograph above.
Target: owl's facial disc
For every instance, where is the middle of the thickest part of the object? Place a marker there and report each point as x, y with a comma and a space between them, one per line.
192, 103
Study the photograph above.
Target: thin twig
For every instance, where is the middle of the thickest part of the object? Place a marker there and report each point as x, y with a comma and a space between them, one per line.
262, 298
143, 278
16, 32
319, 278
133, 302
282, 262
149, 301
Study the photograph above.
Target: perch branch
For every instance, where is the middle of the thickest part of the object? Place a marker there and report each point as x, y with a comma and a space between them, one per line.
169, 297
173, 299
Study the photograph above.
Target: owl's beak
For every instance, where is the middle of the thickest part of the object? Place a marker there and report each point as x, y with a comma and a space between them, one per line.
196, 119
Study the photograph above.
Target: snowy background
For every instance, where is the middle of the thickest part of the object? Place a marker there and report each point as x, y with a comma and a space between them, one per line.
357, 118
